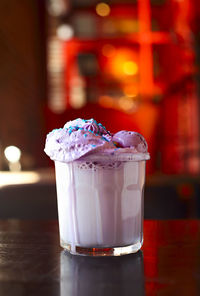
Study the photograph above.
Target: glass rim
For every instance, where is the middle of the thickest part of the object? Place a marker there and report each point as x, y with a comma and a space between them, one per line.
125, 156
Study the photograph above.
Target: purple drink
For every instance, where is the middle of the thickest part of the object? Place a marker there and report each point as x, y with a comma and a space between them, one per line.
100, 193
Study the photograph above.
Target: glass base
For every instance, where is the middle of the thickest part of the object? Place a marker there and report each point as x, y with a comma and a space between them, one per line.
98, 252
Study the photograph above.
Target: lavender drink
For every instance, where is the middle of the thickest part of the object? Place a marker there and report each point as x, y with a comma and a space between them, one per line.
100, 185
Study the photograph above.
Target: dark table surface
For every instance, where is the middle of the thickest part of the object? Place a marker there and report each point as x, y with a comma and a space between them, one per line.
32, 263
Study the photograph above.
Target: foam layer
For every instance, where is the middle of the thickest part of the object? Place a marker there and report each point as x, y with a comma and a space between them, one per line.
88, 165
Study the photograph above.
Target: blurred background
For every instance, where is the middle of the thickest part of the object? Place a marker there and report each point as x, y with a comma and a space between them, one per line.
130, 64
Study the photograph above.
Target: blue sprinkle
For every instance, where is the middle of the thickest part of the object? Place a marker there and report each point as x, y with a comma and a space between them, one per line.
101, 125
85, 135
93, 145
104, 139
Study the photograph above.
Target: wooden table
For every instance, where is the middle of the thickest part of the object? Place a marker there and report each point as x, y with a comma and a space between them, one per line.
32, 263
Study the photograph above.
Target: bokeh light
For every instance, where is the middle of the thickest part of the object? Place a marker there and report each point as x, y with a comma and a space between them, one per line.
65, 32
103, 9
12, 154
130, 68
130, 90
123, 64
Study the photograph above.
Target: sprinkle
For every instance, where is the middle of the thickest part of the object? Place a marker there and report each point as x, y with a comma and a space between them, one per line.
85, 135
93, 145
103, 138
100, 124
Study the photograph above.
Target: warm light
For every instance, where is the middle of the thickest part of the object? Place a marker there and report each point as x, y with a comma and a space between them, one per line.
65, 32
11, 178
130, 90
57, 7
103, 9
106, 101
128, 25
15, 166
123, 64
126, 103
77, 93
108, 50
130, 68
12, 154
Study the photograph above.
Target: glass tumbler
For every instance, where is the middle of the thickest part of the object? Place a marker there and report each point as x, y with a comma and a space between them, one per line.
100, 204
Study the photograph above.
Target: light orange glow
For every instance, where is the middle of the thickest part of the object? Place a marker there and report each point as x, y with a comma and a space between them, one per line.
127, 26
130, 90
126, 104
106, 101
103, 9
130, 68
108, 50
123, 63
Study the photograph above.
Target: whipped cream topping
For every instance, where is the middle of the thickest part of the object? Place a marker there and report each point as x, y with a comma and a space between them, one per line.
82, 137
130, 139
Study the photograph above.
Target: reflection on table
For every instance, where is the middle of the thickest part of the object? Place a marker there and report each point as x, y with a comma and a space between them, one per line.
84, 276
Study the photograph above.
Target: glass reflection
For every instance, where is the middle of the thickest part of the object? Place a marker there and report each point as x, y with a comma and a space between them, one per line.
81, 276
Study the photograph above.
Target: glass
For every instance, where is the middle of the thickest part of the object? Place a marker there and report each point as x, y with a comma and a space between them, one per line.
100, 204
